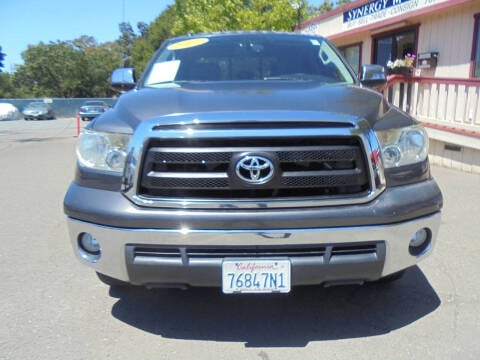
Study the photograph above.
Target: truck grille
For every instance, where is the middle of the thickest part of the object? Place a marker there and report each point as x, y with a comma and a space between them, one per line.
302, 168
151, 253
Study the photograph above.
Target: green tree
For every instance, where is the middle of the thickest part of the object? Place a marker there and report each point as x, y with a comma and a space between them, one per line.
102, 60
194, 16
49, 70
77, 68
7, 89
126, 40
313, 11
280, 15
343, 2
142, 28
324, 7
152, 37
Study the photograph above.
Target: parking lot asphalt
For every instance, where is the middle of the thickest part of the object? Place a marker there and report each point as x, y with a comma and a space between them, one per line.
53, 307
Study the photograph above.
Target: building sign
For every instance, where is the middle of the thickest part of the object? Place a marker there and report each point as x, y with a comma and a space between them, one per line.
379, 10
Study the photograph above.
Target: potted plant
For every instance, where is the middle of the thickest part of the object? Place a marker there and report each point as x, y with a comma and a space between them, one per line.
403, 66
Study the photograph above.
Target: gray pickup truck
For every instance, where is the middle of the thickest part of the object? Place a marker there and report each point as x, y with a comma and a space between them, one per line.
251, 162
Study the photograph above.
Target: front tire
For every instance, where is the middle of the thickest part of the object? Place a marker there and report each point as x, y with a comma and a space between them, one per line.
391, 278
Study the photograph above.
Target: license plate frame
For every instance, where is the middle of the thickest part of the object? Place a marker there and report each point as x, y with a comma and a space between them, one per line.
248, 276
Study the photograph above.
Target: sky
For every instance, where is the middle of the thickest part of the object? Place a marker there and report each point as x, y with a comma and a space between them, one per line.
29, 22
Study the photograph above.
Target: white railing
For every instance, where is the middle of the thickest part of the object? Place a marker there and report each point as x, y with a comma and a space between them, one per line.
444, 102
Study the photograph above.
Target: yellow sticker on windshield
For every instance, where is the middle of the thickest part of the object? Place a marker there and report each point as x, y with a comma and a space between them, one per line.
185, 44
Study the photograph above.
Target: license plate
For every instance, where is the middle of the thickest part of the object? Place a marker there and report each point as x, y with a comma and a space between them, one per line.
255, 276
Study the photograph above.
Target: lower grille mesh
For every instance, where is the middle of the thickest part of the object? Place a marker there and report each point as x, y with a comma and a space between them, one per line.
199, 252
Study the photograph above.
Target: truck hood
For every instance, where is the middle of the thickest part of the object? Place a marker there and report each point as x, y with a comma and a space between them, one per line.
177, 103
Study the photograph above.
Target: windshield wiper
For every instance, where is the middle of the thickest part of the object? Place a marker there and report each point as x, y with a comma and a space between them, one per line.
162, 84
298, 76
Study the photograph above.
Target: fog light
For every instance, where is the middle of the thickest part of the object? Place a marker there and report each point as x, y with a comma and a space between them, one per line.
88, 247
420, 242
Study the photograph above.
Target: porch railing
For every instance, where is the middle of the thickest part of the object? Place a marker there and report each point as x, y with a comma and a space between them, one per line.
440, 102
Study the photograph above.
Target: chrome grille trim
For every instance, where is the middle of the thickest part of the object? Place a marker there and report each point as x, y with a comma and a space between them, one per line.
151, 130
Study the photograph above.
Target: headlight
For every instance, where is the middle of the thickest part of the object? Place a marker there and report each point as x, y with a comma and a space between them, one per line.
403, 146
102, 151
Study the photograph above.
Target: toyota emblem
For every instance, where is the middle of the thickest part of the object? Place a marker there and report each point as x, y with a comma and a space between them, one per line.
254, 169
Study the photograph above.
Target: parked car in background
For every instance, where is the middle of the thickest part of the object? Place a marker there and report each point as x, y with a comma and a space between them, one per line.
8, 112
91, 109
38, 111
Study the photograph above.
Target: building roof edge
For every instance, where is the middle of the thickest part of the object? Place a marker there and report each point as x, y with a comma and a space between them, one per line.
341, 9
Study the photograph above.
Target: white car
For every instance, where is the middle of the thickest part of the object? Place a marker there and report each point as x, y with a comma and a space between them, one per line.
8, 112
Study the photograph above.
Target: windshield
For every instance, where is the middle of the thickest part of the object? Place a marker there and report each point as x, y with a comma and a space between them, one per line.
247, 57
93, 103
36, 105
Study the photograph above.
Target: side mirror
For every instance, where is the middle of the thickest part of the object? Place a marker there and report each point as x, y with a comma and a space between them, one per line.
123, 79
373, 76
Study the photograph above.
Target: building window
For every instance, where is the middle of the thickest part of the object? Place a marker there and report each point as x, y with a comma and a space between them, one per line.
353, 54
476, 48
393, 46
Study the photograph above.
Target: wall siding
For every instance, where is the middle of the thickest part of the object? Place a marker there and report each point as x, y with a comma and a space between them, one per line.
451, 34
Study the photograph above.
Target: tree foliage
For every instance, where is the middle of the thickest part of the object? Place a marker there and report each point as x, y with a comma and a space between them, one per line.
152, 37
126, 40
272, 15
324, 7
77, 68
7, 89
194, 16
197, 16
343, 2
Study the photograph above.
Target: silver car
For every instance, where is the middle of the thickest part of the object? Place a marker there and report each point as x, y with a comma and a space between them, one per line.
91, 109
38, 111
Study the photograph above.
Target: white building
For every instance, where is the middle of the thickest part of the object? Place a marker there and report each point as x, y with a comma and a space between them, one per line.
442, 87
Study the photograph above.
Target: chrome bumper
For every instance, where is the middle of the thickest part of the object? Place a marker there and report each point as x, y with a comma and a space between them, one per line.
114, 242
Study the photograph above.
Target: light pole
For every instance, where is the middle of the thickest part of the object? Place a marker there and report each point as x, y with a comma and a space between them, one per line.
297, 6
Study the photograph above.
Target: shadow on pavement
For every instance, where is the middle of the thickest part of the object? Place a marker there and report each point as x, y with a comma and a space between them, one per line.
293, 320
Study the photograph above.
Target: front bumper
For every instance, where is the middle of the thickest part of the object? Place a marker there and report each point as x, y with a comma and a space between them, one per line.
168, 263
36, 116
89, 115
373, 237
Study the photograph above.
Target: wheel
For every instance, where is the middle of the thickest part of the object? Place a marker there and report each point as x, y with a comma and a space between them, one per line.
112, 281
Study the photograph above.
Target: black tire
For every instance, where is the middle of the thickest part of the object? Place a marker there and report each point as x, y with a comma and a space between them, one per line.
391, 278
107, 280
